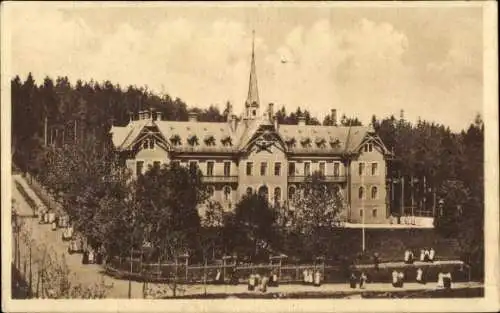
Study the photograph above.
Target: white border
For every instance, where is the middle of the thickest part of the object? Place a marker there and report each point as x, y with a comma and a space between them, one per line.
490, 115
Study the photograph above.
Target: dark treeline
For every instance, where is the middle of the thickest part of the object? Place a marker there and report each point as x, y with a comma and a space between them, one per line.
452, 162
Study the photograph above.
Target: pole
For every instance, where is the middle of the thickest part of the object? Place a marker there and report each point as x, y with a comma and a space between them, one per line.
363, 213
45, 131
75, 130
412, 195
402, 195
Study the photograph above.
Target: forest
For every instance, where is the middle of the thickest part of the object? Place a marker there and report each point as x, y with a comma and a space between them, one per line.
56, 111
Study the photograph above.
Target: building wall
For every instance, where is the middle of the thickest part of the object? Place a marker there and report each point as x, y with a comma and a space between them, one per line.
256, 180
368, 181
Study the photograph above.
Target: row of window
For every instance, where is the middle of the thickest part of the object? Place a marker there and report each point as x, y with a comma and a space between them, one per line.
277, 168
374, 213
373, 168
373, 193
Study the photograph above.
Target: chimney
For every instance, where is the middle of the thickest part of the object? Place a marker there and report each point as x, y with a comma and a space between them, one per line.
158, 116
334, 117
233, 122
192, 117
302, 120
271, 110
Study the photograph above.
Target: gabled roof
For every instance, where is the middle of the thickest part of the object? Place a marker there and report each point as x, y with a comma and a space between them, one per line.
321, 139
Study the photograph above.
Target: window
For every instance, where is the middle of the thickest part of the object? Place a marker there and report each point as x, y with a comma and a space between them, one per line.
145, 144
227, 168
264, 192
336, 169
361, 193
210, 168
374, 169
277, 169
368, 147
254, 112
192, 165
249, 168
277, 195
249, 191
374, 212
374, 192
151, 143
322, 168
291, 192
138, 167
263, 168
156, 163
291, 169
227, 192
361, 169
361, 213
307, 169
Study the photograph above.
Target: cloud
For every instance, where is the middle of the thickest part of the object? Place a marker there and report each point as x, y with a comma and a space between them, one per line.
360, 69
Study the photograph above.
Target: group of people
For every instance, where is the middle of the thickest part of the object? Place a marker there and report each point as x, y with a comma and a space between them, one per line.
397, 279
426, 255
361, 280
444, 280
92, 256
311, 277
258, 282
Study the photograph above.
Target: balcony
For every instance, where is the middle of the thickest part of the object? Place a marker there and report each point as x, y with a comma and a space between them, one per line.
220, 179
328, 179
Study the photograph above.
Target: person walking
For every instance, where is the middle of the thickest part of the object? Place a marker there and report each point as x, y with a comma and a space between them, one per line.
395, 278
362, 280
352, 281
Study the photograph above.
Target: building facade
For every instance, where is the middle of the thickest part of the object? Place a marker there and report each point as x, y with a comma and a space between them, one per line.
253, 153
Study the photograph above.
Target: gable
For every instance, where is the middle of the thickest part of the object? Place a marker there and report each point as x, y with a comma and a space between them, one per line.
263, 140
372, 138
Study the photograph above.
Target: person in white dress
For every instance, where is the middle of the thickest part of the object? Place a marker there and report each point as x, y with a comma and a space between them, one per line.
422, 255
407, 256
401, 277
432, 254
394, 278
426, 255
440, 282
362, 280
420, 276
317, 279
304, 276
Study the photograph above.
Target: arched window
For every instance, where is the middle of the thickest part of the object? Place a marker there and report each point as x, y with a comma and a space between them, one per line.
249, 190
227, 192
374, 192
361, 193
291, 192
277, 194
264, 192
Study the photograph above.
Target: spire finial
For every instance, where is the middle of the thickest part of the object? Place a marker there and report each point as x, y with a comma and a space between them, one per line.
253, 93
253, 42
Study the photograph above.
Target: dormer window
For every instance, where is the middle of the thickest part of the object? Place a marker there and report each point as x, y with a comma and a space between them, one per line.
306, 142
193, 140
290, 142
210, 140
175, 140
226, 141
334, 142
320, 142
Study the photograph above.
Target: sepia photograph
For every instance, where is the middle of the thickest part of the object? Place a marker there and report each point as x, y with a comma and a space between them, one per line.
169, 155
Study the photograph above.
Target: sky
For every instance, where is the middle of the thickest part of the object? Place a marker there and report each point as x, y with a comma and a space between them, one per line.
427, 61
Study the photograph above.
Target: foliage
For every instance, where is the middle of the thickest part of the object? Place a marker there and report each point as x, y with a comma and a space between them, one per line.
250, 229
316, 206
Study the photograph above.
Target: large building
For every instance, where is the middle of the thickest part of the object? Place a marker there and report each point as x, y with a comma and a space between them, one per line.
253, 153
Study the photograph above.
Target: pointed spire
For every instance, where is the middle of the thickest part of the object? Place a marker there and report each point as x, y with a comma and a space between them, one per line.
253, 92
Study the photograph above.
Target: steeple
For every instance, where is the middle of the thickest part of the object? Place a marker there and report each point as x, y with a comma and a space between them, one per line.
252, 103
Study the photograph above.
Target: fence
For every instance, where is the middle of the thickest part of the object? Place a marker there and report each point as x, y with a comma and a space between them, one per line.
287, 273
